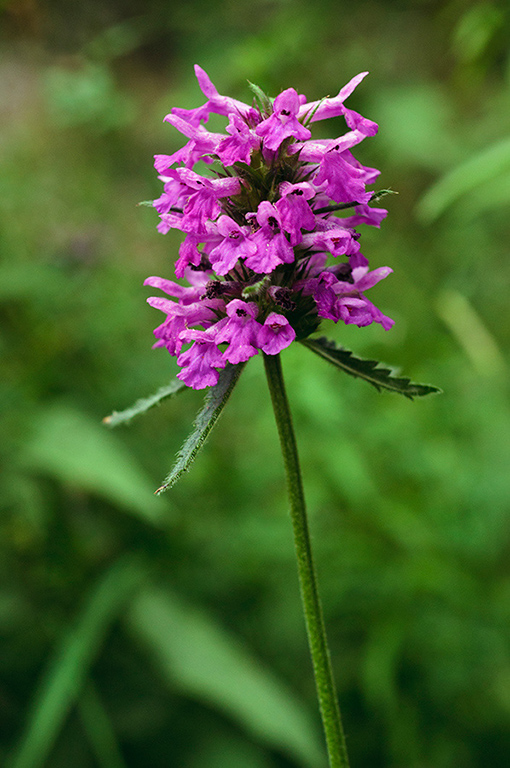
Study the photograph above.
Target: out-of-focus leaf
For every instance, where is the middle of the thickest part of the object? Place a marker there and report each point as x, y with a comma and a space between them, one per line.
214, 403
415, 122
486, 165
467, 327
380, 664
119, 39
145, 404
20, 282
71, 447
476, 29
204, 661
86, 94
380, 378
66, 672
99, 729
228, 750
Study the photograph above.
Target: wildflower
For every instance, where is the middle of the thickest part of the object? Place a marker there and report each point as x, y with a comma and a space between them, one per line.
260, 228
266, 259
283, 122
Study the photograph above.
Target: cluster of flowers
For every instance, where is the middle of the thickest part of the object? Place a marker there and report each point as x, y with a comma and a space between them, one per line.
260, 229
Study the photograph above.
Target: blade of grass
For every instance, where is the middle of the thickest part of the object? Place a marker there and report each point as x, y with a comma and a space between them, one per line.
63, 678
99, 730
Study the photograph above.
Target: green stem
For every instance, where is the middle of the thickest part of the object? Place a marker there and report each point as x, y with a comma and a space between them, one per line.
324, 680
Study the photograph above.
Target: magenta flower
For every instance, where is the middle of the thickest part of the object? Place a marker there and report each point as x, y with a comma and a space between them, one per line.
239, 145
200, 363
331, 107
261, 227
240, 331
283, 122
294, 210
344, 182
236, 244
276, 334
273, 248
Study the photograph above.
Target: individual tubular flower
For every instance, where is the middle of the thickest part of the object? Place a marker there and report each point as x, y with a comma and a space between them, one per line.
261, 227
273, 248
200, 363
240, 331
283, 122
276, 334
294, 209
235, 245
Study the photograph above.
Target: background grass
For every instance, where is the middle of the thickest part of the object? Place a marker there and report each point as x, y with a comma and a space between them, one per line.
141, 631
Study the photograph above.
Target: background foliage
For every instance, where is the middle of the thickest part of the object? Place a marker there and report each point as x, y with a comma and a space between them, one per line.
144, 631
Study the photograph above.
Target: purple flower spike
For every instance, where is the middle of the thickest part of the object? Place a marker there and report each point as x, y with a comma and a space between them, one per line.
270, 246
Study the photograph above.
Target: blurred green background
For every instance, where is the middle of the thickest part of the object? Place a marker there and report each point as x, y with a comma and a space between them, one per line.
167, 632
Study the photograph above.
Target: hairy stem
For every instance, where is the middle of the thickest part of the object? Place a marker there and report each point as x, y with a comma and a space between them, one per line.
324, 680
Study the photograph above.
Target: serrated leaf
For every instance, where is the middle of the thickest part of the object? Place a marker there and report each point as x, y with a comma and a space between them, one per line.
144, 404
380, 378
382, 193
214, 403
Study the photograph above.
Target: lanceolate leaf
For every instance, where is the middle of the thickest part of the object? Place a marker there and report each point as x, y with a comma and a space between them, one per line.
144, 404
214, 403
369, 370
203, 661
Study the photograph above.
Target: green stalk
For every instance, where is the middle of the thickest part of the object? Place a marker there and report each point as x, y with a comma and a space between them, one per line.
326, 691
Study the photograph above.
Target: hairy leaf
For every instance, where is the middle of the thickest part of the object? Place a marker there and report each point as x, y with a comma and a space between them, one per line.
145, 404
206, 419
380, 378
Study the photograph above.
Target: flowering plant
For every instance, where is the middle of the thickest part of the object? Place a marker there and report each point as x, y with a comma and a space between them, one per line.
266, 258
